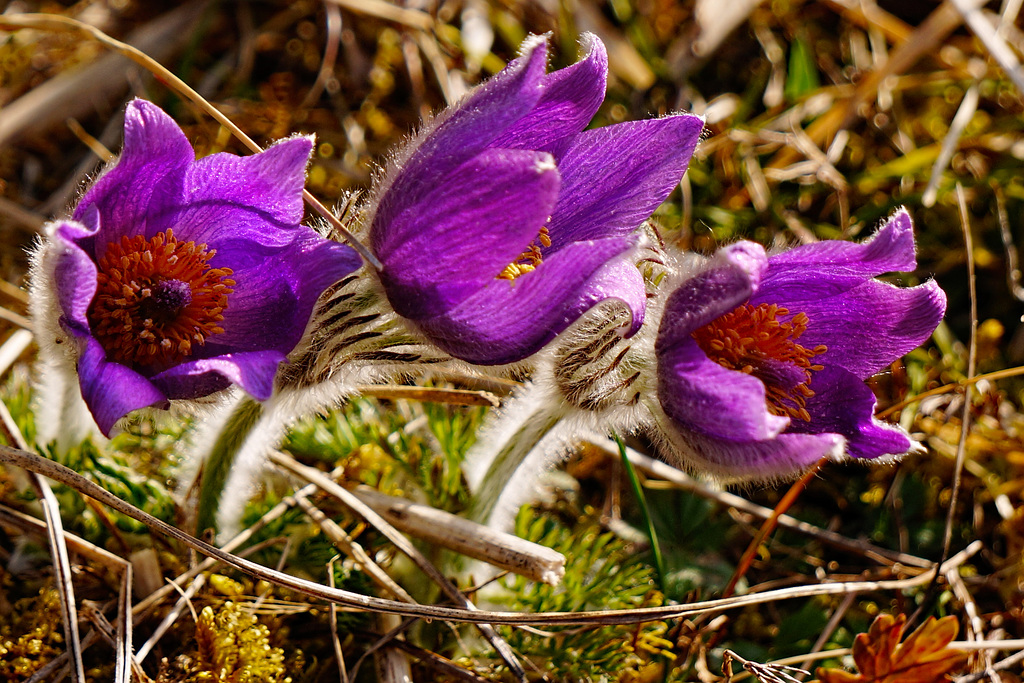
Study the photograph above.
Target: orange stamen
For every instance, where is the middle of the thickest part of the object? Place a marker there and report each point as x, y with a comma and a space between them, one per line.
749, 338
157, 299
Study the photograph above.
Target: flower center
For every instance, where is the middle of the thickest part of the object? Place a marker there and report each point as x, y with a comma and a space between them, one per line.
157, 298
529, 259
751, 339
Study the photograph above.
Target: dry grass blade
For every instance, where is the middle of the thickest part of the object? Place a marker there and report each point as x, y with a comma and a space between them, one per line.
764, 673
58, 549
678, 478
961, 450
14, 346
384, 10
57, 472
76, 93
980, 25
392, 665
335, 640
16, 319
939, 24
344, 543
53, 22
770, 524
168, 620
968, 106
456, 397
62, 574
371, 517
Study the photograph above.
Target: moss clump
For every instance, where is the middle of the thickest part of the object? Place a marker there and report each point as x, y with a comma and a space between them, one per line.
232, 646
31, 637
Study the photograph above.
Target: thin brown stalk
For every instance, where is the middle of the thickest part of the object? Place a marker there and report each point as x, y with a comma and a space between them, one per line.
355, 601
404, 545
53, 22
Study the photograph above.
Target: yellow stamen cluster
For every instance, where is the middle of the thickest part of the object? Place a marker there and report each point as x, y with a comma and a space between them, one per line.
748, 336
156, 299
529, 259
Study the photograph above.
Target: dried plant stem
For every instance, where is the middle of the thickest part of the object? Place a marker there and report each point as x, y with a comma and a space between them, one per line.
359, 508
170, 618
385, 10
769, 526
679, 479
948, 388
343, 542
466, 537
58, 548
57, 472
53, 22
939, 24
965, 418
335, 640
456, 397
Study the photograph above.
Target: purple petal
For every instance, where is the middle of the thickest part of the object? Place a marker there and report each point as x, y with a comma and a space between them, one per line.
111, 390
253, 371
571, 98
830, 267
613, 178
468, 128
255, 200
147, 176
705, 397
462, 235
276, 290
778, 458
728, 280
507, 321
865, 328
843, 404
74, 272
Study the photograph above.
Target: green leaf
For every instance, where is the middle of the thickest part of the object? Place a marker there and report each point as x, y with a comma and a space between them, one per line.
803, 72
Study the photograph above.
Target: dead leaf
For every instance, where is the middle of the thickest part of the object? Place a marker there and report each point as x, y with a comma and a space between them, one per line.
922, 658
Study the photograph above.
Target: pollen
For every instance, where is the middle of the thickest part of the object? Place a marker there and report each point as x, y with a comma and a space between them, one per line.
529, 259
752, 340
157, 300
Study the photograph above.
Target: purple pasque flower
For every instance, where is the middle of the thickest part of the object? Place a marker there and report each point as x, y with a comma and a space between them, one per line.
762, 360
177, 277
504, 221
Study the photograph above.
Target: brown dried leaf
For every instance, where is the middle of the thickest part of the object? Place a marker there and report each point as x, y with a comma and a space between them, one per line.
922, 658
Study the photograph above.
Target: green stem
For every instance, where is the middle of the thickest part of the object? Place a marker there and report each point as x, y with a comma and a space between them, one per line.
503, 470
220, 460
634, 482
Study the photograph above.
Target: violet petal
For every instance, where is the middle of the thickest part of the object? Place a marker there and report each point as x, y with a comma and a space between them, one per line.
570, 99
729, 279
217, 207
275, 291
507, 321
827, 268
75, 273
613, 178
781, 457
146, 177
253, 371
111, 390
843, 404
698, 393
464, 233
467, 129
865, 328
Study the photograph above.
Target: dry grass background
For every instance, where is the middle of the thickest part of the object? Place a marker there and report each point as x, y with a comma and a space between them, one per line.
823, 116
